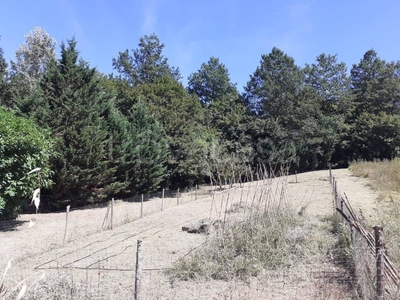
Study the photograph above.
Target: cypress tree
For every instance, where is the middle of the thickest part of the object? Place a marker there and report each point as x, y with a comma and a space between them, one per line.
71, 102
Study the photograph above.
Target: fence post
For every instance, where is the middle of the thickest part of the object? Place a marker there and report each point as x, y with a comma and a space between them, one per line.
195, 193
334, 193
177, 198
380, 279
112, 214
296, 175
162, 200
141, 207
138, 273
66, 225
105, 221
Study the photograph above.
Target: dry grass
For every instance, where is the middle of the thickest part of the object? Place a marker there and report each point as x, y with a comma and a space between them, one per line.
273, 239
264, 249
385, 176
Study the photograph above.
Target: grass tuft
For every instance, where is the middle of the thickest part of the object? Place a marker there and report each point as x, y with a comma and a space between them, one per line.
276, 238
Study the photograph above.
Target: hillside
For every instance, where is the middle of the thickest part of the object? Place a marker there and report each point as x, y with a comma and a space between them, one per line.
103, 261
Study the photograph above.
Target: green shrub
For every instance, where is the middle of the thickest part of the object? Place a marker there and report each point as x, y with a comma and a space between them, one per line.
23, 147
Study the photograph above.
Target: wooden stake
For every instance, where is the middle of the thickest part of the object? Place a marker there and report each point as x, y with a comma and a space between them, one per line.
105, 221
138, 273
162, 200
195, 193
141, 207
66, 224
112, 214
177, 198
380, 267
296, 176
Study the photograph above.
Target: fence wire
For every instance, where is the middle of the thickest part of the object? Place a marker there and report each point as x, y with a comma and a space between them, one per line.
104, 268
376, 276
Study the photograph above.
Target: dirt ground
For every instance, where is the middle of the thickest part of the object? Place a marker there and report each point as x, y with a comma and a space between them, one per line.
104, 260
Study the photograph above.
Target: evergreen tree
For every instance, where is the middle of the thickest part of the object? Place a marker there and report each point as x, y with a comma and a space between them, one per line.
322, 124
72, 104
147, 63
374, 137
123, 93
148, 161
329, 80
373, 126
273, 94
376, 85
274, 87
181, 117
211, 82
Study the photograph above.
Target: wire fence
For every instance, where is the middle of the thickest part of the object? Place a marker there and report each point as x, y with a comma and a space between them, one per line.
106, 266
376, 276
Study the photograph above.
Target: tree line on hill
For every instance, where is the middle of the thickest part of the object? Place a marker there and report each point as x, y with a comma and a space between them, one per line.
97, 136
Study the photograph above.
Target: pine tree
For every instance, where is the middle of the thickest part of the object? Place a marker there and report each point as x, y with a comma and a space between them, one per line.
211, 82
146, 64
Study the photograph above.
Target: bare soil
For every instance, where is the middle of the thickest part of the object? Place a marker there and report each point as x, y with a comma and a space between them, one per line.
103, 260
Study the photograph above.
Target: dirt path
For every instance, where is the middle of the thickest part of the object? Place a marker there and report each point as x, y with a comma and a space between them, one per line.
104, 257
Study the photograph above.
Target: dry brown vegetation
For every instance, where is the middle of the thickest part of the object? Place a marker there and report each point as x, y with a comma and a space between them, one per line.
279, 240
384, 175
385, 179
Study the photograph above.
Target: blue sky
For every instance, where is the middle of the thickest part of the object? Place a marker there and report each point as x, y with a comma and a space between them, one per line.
238, 32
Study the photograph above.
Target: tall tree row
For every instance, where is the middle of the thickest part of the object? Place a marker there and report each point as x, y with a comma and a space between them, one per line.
140, 129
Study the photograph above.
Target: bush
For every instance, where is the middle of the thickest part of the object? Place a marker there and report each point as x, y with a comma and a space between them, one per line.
23, 147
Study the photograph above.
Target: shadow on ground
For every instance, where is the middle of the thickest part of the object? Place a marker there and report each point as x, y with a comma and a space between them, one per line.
11, 225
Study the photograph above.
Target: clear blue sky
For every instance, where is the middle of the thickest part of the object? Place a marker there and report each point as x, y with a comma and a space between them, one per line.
235, 31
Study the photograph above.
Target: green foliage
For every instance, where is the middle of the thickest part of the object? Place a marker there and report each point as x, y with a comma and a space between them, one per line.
31, 61
23, 147
142, 130
148, 152
211, 82
72, 104
5, 88
329, 80
273, 145
274, 86
123, 93
229, 117
375, 85
181, 117
374, 137
146, 64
